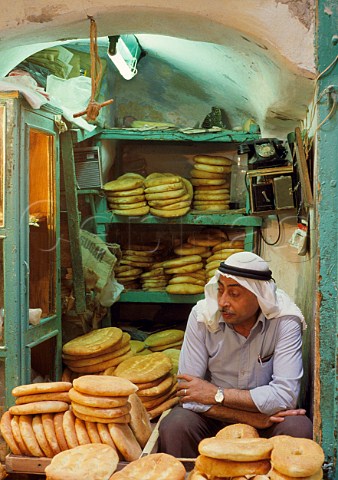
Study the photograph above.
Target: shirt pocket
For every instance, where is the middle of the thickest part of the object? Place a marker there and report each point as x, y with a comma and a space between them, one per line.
264, 369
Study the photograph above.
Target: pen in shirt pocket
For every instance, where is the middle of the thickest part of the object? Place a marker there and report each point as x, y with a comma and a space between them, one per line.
265, 359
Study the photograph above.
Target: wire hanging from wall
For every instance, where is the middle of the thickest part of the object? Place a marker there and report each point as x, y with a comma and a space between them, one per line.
314, 104
93, 108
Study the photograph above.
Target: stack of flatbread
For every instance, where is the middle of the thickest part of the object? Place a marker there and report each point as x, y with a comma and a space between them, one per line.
28, 426
185, 275
159, 341
221, 252
168, 195
125, 195
155, 279
97, 350
128, 276
227, 456
137, 259
104, 410
156, 385
189, 282
102, 403
210, 177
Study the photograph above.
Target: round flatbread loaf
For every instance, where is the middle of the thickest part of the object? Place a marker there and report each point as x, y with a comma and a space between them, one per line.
125, 193
37, 388
169, 213
28, 435
6, 432
212, 168
95, 341
236, 449
18, 437
208, 181
68, 423
125, 441
58, 427
89, 418
105, 385
81, 432
94, 461
96, 401
40, 397
164, 337
139, 420
195, 173
124, 183
212, 160
183, 260
132, 199
228, 468
237, 430
47, 420
93, 432
156, 179
101, 412
171, 194
193, 267
34, 408
104, 435
136, 212
152, 467
184, 289
141, 369
41, 436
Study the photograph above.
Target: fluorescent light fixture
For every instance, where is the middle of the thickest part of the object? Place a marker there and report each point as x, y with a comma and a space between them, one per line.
124, 51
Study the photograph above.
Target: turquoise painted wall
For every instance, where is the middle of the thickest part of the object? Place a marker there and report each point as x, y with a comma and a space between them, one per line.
327, 324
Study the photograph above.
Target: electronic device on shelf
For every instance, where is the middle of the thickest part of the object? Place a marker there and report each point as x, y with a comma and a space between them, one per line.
264, 153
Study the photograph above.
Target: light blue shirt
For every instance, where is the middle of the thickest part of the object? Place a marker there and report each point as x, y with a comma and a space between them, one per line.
268, 362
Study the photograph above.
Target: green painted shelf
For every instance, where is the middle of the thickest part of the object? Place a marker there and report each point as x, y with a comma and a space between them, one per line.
191, 218
165, 135
140, 296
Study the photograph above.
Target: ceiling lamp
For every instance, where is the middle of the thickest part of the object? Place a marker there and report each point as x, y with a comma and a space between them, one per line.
124, 51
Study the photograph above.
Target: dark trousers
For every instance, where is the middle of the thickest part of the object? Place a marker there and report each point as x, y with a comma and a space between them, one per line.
181, 431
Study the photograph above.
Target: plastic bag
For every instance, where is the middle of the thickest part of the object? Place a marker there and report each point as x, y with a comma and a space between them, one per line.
73, 93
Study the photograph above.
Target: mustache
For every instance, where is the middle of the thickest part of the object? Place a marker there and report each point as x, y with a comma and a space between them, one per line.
227, 312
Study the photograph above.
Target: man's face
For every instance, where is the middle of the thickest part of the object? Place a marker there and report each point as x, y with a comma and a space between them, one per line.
238, 305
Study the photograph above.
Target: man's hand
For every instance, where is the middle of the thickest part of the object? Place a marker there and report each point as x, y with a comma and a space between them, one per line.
194, 389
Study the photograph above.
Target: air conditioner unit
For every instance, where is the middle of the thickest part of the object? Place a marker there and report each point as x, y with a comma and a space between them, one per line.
88, 169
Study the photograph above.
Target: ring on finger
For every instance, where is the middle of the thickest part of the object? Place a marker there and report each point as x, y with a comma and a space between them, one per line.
185, 392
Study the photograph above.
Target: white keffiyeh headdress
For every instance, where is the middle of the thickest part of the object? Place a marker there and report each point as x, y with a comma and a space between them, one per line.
253, 273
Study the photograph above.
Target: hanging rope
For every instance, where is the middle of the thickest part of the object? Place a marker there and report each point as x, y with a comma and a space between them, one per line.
93, 108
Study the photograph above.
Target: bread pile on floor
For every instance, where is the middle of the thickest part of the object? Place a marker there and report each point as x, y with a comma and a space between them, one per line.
96, 351
104, 409
156, 385
237, 451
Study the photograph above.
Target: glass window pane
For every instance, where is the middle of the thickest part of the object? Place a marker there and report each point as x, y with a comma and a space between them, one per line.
42, 238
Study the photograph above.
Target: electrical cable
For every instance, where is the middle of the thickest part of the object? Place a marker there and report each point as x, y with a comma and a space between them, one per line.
278, 236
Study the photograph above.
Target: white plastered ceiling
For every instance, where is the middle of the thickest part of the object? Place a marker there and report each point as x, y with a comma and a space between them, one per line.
258, 54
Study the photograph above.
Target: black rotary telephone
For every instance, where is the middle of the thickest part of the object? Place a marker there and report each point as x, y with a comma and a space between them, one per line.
264, 153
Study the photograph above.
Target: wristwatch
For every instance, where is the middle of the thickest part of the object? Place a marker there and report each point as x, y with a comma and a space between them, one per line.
219, 397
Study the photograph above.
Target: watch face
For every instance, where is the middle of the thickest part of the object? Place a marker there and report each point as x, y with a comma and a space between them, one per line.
265, 150
219, 397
